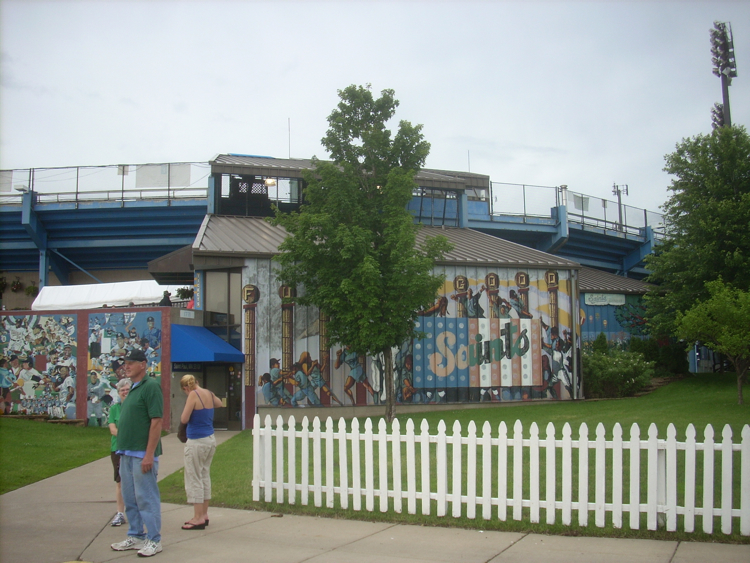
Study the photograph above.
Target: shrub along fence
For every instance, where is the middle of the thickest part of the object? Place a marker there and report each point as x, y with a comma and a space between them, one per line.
654, 482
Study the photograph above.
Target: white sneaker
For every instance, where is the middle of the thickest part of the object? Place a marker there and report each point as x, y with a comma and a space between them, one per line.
118, 520
129, 543
150, 548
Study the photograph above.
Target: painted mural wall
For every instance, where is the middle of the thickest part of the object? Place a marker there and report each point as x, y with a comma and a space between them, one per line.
618, 316
491, 335
41, 360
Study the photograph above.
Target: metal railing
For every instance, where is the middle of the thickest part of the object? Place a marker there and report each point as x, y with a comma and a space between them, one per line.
535, 201
119, 183
189, 180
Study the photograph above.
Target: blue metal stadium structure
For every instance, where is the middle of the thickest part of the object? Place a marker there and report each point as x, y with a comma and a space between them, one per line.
122, 217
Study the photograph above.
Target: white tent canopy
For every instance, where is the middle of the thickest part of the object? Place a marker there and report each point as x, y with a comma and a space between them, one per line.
93, 296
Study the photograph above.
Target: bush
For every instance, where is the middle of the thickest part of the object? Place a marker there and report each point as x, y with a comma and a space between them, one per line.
669, 357
615, 374
601, 346
673, 358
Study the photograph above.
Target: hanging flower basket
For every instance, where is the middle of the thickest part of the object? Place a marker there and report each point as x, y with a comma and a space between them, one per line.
32, 290
3, 284
16, 285
185, 292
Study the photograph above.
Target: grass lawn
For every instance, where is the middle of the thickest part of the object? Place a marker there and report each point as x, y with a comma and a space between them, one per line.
700, 400
31, 450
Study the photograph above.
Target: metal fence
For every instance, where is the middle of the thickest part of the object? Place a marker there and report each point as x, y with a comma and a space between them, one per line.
535, 201
182, 180
127, 182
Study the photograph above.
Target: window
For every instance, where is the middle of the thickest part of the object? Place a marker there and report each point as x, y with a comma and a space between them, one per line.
223, 308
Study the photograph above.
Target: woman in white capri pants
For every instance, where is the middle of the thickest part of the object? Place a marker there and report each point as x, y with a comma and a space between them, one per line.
198, 414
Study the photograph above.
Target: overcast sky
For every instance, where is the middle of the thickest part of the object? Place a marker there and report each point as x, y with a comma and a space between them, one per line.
585, 94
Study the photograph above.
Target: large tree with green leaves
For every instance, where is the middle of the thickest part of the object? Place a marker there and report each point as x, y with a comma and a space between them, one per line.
352, 251
721, 322
707, 217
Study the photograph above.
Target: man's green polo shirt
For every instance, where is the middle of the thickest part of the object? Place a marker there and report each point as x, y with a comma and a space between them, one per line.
144, 402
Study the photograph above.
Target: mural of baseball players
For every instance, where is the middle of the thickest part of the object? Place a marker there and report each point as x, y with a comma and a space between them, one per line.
38, 361
502, 335
38, 365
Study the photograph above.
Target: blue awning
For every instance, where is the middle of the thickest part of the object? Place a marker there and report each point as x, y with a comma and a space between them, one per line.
198, 344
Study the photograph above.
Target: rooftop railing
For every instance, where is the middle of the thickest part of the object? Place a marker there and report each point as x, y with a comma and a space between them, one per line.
526, 200
118, 183
189, 180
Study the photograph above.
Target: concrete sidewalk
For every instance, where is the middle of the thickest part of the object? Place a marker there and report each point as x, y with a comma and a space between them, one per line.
66, 518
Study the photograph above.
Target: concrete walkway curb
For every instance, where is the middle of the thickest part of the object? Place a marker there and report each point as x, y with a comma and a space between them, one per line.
66, 518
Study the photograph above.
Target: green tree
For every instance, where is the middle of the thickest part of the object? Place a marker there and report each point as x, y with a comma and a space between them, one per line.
353, 250
707, 217
721, 322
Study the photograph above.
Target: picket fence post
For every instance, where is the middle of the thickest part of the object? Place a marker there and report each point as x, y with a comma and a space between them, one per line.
457, 470
635, 476
305, 461
442, 470
317, 469
486, 470
689, 517
471, 472
671, 478
652, 485
502, 471
424, 446
745, 482
517, 470
396, 461
551, 490
291, 449
383, 465
356, 467
534, 472
567, 474
343, 466
369, 476
726, 480
257, 458
267, 459
708, 480
583, 475
600, 477
411, 469
329, 463
617, 476
279, 431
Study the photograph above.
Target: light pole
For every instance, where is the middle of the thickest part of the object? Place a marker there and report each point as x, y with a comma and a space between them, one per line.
619, 191
725, 67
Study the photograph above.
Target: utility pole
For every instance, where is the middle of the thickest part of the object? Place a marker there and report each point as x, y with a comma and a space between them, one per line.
725, 67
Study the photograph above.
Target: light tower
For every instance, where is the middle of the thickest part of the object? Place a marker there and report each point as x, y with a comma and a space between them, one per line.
725, 67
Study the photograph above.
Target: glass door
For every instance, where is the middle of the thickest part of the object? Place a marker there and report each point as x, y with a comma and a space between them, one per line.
226, 383
217, 381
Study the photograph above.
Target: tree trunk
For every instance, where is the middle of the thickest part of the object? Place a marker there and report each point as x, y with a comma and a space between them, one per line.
390, 400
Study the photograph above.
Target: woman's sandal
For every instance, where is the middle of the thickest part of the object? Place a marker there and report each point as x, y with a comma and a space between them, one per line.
189, 526
206, 522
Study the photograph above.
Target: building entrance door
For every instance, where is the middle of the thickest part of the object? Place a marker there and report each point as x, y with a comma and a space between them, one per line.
221, 380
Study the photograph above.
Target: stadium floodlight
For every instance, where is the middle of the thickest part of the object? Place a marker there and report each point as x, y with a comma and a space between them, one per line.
725, 66
717, 116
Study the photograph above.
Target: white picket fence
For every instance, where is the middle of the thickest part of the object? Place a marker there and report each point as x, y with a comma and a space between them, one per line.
345, 465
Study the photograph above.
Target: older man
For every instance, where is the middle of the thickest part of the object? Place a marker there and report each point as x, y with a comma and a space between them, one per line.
139, 446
